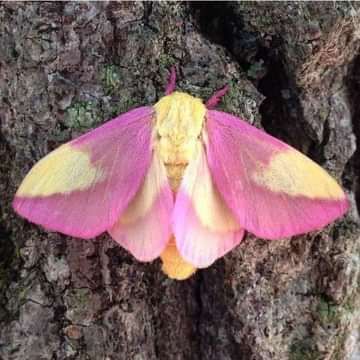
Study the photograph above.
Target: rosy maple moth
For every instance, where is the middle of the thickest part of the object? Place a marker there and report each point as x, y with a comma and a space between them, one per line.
180, 181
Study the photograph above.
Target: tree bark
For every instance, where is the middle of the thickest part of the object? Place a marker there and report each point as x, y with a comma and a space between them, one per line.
293, 69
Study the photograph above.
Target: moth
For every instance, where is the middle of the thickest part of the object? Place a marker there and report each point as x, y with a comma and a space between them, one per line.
181, 181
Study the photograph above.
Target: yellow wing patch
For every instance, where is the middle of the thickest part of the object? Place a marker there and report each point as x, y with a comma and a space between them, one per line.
294, 174
210, 208
64, 170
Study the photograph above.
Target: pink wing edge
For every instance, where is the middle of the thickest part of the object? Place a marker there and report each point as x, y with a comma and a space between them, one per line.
197, 243
147, 236
257, 220
82, 213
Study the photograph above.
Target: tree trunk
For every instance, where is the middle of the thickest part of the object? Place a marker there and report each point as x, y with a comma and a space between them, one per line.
293, 69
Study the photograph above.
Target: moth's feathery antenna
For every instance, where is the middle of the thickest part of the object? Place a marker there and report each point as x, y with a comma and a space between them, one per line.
215, 99
170, 87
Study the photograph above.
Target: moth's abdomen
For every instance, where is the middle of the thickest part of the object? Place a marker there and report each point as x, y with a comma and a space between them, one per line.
175, 173
175, 163
173, 264
178, 126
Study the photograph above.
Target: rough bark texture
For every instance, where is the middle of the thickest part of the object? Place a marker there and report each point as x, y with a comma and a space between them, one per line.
293, 69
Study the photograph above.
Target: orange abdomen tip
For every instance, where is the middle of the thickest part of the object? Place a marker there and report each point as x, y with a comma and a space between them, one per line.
174, 266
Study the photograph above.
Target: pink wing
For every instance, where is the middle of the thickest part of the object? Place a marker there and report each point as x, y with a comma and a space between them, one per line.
274, 190
81, 188
144, 227
204, 228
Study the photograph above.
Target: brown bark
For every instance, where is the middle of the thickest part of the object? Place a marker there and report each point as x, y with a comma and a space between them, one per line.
293, 69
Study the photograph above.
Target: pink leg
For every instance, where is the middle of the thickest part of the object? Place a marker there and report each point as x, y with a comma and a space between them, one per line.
215, 99
170, 87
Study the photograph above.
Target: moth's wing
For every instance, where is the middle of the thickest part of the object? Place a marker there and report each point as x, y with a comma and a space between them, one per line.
204, 227
274, 190
81, 188
144, 227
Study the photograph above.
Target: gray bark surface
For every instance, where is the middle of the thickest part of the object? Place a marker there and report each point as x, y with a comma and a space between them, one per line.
293, 69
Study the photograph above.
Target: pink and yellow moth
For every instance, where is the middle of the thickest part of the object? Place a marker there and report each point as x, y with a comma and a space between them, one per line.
180, 181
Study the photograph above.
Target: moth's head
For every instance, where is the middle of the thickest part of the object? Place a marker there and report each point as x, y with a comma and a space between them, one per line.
178, 123
179, 117
179, 120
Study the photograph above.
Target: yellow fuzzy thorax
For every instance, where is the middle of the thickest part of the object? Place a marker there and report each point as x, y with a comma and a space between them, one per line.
179, 122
